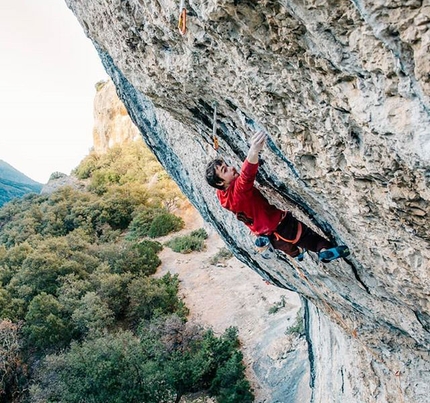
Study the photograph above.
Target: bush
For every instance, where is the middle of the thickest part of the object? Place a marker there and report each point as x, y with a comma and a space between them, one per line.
13, 371
221, 256
93, 314
112, 368
154, 297
199, 233
186, 244
298, 327
278, 305
57, 175
45, 325
141, 223
126, 257
164, 224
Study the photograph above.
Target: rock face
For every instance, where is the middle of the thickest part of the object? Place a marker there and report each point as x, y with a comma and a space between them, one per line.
112, 124
342, 87
59, 180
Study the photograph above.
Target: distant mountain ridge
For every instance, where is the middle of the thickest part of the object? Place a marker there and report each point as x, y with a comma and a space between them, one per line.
14, 184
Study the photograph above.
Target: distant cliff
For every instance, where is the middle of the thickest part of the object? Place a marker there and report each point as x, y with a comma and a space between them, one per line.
343, 88
14, 184
112, 125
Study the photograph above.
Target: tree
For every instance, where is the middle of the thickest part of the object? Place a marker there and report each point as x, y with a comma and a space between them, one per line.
13, 371
112, 368
92, 314
129, 257
45, 324
151, 297
194, 359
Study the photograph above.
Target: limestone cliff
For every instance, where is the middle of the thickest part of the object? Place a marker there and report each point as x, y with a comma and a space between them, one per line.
112, 124
342, 87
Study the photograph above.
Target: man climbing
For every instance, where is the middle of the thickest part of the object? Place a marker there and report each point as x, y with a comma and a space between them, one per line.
237, 193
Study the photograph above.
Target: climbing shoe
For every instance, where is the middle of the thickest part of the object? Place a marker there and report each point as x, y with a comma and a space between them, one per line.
333, 253
264, 247
301, 255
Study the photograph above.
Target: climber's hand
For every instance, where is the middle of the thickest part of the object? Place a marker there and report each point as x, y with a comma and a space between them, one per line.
257, 143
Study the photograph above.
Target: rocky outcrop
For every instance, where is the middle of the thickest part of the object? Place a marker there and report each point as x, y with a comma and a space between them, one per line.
112, 124
343, 90
59, 180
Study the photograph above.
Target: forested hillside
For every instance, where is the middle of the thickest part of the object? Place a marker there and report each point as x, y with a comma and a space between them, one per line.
82, 319
14, 183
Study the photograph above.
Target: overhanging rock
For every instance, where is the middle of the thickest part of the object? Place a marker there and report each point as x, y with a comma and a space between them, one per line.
343, 89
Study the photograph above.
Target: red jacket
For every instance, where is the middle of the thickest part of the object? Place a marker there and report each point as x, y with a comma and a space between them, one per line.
247, 202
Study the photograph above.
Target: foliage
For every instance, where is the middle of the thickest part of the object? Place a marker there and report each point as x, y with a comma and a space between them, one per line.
57, 175
168, 359
151, 297
153, 222
12, 368
298, 327
128, 257
45, 323
163, 224
222, 255
278, 305
141, 223
84, 314
188, 243
92, 314
199, 233
112, 368
229, 384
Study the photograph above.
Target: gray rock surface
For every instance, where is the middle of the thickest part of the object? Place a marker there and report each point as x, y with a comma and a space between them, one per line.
59, 180
343, 90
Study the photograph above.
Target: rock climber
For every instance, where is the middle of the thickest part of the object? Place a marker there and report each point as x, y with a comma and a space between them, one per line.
237, 193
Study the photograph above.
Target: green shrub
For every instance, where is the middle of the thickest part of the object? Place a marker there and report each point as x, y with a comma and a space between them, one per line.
278, 305
126, 257
45, 324
155, 246
57, 175
221, 256
141, 223
199, 233
298, 327
113, 368
186, 244
165, 223
151, 297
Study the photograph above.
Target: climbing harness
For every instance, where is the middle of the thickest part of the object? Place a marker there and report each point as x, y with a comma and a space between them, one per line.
293, 241
214, 136
182, 23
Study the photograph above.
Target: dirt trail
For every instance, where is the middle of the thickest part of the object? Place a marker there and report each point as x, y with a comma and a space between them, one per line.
234, 295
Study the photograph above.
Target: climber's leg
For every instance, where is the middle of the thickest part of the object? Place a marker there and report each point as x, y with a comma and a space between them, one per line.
287, 229
285, 247
310, 240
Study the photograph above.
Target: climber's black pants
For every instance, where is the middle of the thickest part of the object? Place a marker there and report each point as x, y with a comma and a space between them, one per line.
309, 239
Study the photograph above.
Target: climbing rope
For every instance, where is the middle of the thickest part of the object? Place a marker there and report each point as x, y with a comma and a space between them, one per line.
214, 136
182, 23
353, 332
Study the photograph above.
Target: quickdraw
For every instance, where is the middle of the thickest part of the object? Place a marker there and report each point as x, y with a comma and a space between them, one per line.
182, 24
214, 136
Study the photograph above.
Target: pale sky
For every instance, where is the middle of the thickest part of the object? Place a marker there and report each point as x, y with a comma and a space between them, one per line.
48, 72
